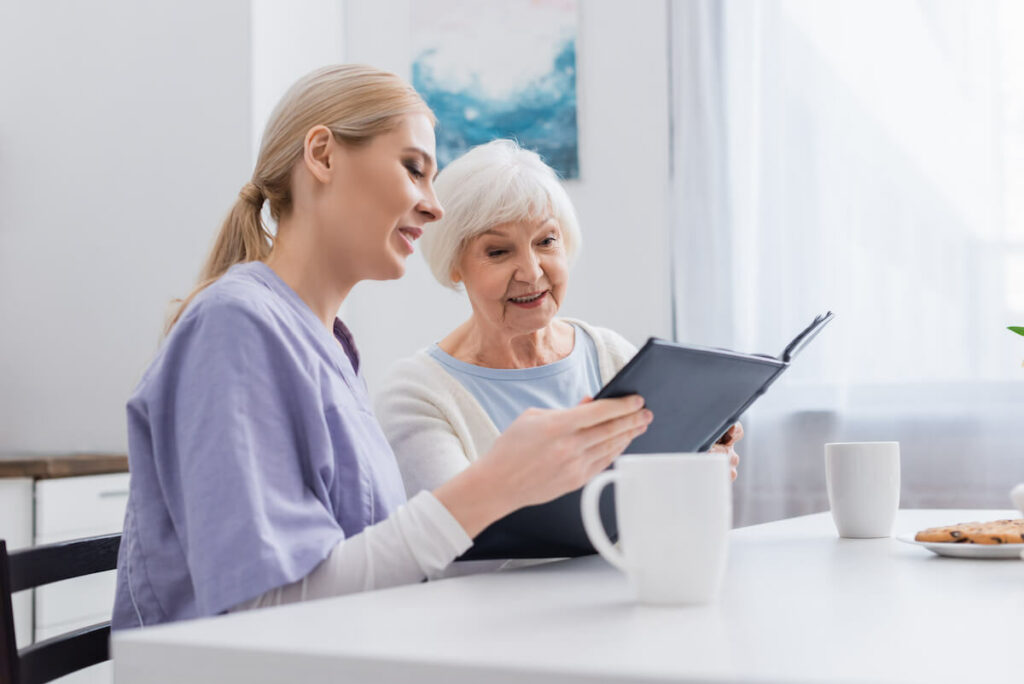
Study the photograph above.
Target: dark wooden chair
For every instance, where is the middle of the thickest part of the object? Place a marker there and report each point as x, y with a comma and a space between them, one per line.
34, 567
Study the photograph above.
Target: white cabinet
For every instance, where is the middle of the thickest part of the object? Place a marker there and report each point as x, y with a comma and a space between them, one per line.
16, 530
68, 508
44, 511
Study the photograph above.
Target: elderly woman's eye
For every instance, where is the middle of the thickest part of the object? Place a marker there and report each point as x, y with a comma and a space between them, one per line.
549, 240
495, 252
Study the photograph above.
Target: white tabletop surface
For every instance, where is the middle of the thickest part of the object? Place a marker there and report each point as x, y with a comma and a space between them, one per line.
798, 605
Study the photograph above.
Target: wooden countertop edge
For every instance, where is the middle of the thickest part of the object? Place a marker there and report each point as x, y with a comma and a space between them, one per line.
68, 465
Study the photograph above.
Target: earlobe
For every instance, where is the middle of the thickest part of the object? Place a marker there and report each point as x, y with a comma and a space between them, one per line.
454, 276
318, 147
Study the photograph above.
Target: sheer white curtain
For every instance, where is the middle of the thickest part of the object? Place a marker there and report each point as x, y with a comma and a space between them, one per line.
864, 157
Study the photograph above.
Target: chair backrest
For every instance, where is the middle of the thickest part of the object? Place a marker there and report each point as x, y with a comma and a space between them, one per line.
34, 567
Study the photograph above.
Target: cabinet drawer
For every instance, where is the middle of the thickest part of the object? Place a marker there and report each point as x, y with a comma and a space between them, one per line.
80, 602
72, 507
68, 508
16, 530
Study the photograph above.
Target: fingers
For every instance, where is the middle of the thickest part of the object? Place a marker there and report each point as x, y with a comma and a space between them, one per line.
602, 454
732, 435
603, 410
734, 458
614, 429
729, 437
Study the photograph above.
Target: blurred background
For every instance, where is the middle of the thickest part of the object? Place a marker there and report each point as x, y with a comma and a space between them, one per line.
740, 167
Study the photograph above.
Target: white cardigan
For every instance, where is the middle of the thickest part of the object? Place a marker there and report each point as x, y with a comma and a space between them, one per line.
436, 427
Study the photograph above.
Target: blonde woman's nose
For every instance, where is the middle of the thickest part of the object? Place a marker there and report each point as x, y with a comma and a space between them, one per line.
430, 206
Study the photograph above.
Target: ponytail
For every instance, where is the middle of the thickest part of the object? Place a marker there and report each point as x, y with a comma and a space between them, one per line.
355, 102
243, 237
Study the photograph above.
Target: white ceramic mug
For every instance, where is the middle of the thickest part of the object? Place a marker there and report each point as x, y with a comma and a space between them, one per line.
863, 480
674, 513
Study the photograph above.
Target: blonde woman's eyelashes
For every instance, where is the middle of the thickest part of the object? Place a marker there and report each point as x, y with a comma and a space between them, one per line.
414, 169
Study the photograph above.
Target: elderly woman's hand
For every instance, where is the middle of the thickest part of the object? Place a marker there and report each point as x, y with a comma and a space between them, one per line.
726, 445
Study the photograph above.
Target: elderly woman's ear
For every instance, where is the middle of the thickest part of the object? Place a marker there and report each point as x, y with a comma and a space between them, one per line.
454, 276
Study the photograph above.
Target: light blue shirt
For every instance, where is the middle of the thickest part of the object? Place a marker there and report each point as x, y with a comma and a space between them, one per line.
253, 452
504, 393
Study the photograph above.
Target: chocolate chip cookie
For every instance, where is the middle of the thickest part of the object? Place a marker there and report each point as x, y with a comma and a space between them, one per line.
997, 532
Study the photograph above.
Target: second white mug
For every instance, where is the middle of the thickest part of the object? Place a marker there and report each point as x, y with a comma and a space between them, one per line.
674, 514
863, 481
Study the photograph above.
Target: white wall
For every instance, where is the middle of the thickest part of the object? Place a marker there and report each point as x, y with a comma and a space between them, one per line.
289, 39
126, 129
621, 280
124, 135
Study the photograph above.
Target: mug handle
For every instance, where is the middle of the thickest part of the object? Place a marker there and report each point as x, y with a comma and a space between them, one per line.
592, 519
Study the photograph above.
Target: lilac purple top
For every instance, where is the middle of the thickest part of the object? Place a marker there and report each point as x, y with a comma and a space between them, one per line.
253, 451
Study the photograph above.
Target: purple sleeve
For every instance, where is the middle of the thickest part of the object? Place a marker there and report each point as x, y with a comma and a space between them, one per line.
234, 415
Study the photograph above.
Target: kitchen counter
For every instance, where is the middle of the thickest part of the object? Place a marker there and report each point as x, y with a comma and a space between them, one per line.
46, 466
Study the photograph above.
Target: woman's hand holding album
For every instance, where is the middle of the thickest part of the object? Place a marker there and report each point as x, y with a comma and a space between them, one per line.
726, 445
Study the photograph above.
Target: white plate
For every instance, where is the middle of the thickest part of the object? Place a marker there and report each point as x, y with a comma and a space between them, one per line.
963, 550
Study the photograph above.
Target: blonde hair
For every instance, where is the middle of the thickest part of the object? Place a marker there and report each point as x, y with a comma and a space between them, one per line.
498, 182
356, 102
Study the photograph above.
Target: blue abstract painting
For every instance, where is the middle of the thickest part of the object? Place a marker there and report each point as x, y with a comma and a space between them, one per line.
503, 69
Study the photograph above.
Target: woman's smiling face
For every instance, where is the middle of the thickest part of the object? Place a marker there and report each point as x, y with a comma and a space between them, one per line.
378, 197
515, 274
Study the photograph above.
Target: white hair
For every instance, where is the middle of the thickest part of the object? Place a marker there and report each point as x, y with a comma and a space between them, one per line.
492, 184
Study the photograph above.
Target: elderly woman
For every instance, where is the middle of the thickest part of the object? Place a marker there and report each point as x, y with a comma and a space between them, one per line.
508, 236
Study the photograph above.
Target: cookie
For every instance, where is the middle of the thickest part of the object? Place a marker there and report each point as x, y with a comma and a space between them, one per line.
997, 532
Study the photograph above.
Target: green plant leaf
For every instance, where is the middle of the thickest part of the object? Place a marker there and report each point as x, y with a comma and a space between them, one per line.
1017, 329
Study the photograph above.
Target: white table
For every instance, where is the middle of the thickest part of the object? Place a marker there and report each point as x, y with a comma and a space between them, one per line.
798, 605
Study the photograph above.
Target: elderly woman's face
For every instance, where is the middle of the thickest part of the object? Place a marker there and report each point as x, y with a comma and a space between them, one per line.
515, 274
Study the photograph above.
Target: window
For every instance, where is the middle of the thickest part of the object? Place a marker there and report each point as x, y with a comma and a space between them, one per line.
865, 157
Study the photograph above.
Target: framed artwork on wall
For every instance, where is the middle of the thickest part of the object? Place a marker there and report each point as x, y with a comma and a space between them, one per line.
499, 70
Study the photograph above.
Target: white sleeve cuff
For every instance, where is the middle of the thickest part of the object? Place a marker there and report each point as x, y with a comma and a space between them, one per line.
432, 533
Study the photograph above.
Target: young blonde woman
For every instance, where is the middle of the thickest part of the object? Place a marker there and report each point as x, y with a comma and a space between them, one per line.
259, 473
